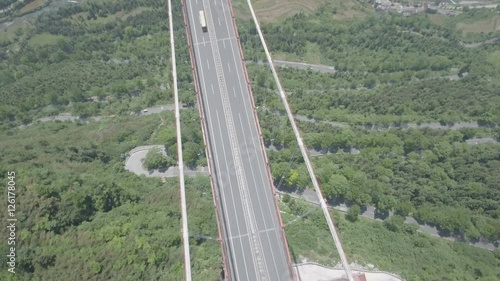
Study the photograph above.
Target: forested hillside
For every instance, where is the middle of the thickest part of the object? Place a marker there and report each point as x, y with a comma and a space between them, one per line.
395, 248
81, 215
116, 52
432, 175
390, 69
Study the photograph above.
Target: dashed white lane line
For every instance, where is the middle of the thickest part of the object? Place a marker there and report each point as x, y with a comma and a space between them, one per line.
265, 231
208, 42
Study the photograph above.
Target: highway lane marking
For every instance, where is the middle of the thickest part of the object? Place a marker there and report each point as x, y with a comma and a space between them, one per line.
210, 124
218, 168
222, 39
249, 218
255, 241
208, 65
265, 231
232, 197
213, 92
253, 137
260, 158
239, 236
274, 219
218, 20
266, 228
229, 67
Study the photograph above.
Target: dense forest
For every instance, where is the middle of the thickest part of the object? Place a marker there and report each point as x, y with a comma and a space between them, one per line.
81, 52
387, 74
432, 175
389, 69
399, 75
392, 247
83, 217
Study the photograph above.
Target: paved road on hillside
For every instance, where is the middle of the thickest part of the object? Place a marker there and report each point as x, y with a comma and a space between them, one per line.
254, 244
306, 66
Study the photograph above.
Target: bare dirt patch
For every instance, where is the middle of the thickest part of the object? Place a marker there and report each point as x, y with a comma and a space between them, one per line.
31, 6
487, 25
350, 9
276, 10
438, 19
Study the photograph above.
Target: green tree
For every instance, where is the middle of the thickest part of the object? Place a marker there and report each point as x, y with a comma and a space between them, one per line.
293, 178
156, 159
353, 213
286, 198
443, 150
190, 153
404, 208
261, 79
385, 203
394, 223
339, 186
410, 228
496, 252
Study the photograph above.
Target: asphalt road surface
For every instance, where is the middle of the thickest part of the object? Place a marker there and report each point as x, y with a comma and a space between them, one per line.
255, 247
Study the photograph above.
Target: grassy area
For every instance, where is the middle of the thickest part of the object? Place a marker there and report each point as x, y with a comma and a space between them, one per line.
44, 39
305, 245
488, 25
415, 256
8, 34
438, 19
349, 9
276, 10
109, 18
31, 6
495, 58
473, 25
272, 10
312, 55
